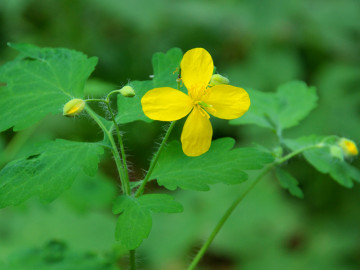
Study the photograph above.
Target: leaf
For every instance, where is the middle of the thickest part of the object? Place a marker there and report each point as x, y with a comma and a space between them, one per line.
291, 103
135, 221
288, 182
40, 81
221, 164
164, 65
160, 203
48, 172
129, 109
322, 159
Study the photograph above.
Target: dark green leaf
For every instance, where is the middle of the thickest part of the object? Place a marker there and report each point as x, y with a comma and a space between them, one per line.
221, 164
48, 172
135, 221
40, 81
288, 182
284, 109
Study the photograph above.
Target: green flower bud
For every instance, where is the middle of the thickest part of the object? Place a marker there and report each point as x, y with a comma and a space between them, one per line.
73, 107
217, 79
336, 152
348, 147
127, 91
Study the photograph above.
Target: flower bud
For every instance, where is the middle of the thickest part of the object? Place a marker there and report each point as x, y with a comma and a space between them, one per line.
336, 152
348, 147
217, 79
127, 91
73, 107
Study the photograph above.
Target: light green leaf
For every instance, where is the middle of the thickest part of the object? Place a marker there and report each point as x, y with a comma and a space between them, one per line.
40, 81
135, 221
165, 74
291, 103
322, 159
221, 164
48, 172
288, 182
160, 203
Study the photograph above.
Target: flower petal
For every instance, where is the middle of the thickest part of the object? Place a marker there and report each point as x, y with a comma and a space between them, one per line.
166, 104
196, 69
226, 101
197, 133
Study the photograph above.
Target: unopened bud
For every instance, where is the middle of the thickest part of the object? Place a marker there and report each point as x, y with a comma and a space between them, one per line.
336, 152
73, 107
348, 147
127, 91
217, 79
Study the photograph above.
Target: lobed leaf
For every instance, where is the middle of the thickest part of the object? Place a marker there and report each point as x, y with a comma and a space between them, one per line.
222, 164
288, 182
165, 67
291, 103
40, 81
322, 159
47, 172
135, 220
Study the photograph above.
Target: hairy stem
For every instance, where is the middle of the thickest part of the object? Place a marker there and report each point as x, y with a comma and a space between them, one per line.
122, 149
233, 206
153, 162
114, 149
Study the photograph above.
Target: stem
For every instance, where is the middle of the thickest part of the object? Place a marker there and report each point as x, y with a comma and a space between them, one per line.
232, 207
113, 145
141, 189
121, 144
132, 260
223, 219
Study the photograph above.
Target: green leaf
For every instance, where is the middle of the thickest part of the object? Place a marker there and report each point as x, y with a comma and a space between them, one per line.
48, 172
166, 68
221, 164
40, 81
324, 161
291, 103
160, 203
165, 74
129, 109
288, 182
135, 221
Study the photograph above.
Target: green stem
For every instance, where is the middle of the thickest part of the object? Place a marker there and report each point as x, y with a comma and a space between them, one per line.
113, 145
232, 207
132, 260
122, 149
223, 219
141, 189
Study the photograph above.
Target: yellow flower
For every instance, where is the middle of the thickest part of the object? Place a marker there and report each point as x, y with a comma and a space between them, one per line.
222, 101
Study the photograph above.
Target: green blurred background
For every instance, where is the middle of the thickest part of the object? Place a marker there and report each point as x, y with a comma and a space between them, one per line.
257, 44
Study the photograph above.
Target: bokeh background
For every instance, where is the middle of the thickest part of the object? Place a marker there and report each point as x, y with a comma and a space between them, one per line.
257, 44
